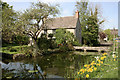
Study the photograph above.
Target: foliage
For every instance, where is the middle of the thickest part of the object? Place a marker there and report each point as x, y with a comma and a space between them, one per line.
89, 23
21, 40
33, 20
99, 68
43, 43
8, 22
109, 34
64, 38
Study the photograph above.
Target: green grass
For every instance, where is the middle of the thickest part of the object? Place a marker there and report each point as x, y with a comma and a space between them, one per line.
18, 49
110, 69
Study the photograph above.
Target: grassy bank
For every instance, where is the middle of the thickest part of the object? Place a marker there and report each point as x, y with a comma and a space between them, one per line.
14, 49
105, 66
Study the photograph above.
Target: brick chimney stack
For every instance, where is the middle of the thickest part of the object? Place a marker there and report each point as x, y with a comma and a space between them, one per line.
77, 14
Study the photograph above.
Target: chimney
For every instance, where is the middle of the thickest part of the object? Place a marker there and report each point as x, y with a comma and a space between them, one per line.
77, 14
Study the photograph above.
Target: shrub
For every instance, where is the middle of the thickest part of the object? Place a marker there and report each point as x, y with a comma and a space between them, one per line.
21, 39
65, 38
43, 42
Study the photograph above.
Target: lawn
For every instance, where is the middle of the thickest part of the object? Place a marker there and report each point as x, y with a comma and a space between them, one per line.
14, 49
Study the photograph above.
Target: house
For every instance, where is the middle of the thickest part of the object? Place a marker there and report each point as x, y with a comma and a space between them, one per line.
70, 23
102, 36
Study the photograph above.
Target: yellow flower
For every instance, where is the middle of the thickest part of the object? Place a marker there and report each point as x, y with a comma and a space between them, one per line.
93, 63
78, 72
101, 62
85, 65
114, 56
88, 66
105, 53
95, 68
90, 70
92, 66
81, 69
87, 75
114, 59
102, 58
98, 64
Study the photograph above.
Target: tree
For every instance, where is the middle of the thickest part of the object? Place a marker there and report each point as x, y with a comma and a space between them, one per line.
109, 34
37, 14
64, 39
8, 22
63, 36
90, 23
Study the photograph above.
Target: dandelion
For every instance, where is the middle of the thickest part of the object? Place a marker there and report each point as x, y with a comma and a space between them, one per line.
93, 63
90, 70
92, 66
101, 62
114, 56
87, 75
98, 64
85, 65
95, 68
102, 58
82, 70
114, 59
105, 53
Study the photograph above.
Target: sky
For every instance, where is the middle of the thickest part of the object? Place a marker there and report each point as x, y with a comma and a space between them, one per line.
108, 9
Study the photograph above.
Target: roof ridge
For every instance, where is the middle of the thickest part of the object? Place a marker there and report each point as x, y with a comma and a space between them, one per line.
62, 17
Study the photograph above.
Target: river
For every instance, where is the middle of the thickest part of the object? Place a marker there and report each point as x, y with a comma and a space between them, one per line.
59, 65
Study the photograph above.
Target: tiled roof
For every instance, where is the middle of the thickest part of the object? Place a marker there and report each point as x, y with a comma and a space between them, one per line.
61, 22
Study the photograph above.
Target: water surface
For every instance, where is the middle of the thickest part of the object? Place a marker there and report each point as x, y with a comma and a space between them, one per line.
57, 65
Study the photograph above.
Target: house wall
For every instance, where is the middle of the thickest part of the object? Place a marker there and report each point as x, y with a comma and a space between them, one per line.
49, 31
78, 31
71, 30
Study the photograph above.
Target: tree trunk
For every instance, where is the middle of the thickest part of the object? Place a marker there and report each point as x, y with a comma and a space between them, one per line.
36, 50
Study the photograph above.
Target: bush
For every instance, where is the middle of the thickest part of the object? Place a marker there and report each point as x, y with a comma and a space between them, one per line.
21, 40
43, 43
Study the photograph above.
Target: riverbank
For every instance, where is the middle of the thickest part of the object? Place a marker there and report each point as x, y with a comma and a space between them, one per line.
25, 51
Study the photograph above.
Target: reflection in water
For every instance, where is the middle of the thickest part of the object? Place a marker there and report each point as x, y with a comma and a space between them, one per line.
52, 66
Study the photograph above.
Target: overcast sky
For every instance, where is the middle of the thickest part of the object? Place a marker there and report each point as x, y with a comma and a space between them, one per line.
108, 8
